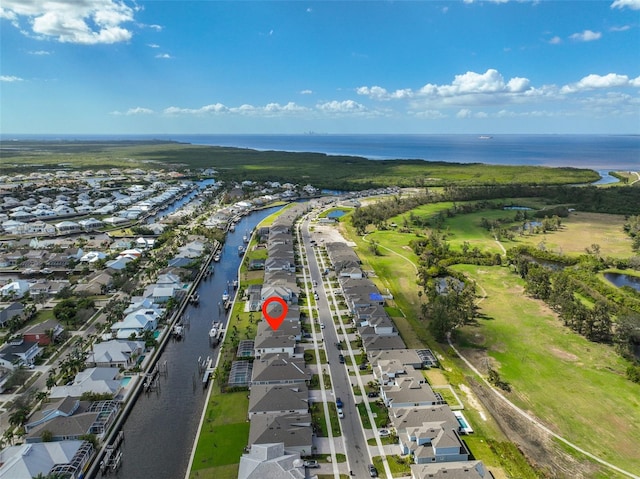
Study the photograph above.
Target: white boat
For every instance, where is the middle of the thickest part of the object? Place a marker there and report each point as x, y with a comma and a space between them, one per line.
240, 250
215, 329
235, 284
232, 227
177, 331
225, 296
216, 258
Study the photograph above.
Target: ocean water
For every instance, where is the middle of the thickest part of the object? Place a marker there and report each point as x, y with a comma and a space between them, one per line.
598, 152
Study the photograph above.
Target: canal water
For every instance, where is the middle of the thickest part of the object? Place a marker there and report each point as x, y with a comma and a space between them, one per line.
160, 431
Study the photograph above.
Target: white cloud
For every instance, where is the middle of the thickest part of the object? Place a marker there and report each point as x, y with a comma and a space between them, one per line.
39, 52
153, 45
72, 21
271, 109
622, 28
346, 106
586, 36
164, 56
157, 28
555, 40
379, 93
139, 111
429, 114
10, 78
306, 92
632, 4
593, 81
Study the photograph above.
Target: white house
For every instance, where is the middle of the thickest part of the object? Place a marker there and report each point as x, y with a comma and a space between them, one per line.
135, 323
15, 289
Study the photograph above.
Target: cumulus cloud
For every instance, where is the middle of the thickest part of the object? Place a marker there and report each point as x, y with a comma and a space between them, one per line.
306, 92
346, 106
586, 36
593, 81
632, 4
139, 111
379, 93
10, 78
270, 109
71, 21
555, 40
164, 56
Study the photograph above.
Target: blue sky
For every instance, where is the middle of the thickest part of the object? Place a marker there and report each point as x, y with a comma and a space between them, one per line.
145, 67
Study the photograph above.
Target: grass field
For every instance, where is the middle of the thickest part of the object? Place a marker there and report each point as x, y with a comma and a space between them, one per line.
223, 437
576, 387
581, 230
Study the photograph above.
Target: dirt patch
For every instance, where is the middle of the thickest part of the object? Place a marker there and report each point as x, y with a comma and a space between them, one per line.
473, 401
541, 451
564, 355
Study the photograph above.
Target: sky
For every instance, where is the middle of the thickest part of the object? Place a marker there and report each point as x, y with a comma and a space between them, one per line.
213, 67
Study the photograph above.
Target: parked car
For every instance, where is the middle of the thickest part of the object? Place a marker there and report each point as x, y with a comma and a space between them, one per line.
340, 413
339, 402
373, 394
341, 359
384, 433
373, 472
312, 464
363, 366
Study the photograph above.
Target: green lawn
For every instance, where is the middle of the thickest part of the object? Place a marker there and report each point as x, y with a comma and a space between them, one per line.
381, 416
576, 387
225, 431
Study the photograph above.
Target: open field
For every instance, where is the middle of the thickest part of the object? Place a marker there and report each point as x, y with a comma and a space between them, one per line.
238, 164
581, 230
577, 388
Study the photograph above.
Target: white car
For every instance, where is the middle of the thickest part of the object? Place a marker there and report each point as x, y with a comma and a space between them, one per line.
340, 413
384, 433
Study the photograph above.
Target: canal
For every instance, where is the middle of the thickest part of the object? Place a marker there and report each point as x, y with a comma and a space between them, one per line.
160, 431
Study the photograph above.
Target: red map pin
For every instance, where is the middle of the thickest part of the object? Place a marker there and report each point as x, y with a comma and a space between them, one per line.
276, 313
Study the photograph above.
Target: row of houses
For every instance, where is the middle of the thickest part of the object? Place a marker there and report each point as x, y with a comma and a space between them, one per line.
427, 429
27, 217
279, 392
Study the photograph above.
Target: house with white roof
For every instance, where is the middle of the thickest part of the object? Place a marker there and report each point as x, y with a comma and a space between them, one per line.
15, 289
26, 461
95, 380
135, 323
68, 227
115, 353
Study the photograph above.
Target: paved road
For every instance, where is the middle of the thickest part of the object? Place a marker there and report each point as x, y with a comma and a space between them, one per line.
355, 443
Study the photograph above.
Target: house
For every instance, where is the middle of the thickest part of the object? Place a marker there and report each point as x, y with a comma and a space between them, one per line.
91, 224
279, 399
417, 358
18, 352
16, 289
29, 460
95, 380
450, 470
433, 442
136, 323
294, 430
68, 227
15, 309
279, 369
408, 390
270, 460
43, 333
115, 354
118, 264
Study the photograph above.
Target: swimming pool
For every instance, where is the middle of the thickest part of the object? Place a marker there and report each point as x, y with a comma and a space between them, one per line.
125, 381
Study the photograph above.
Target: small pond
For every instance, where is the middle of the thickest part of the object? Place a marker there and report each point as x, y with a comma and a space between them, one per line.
336, 213
621, 279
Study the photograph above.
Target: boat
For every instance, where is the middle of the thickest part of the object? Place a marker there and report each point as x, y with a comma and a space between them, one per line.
240, 250
235, 284
215, 329
232, 227
194, 299
177, 331
216, 258
225, 296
